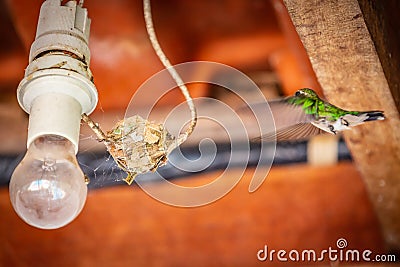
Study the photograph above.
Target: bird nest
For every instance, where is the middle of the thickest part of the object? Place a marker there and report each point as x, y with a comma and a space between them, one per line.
136, 144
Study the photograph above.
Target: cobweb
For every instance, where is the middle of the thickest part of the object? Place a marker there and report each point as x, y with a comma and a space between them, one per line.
100, 168
96, 162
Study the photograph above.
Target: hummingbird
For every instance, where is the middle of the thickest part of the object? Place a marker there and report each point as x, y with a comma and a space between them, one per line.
305, 114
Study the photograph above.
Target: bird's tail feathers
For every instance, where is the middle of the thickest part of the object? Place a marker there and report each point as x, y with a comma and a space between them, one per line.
374, 115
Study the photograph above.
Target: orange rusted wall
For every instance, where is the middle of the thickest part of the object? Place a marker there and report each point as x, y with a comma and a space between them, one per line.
297, 207
243, 34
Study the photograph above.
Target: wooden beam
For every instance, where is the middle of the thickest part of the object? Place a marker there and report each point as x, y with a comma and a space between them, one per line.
347, 66
381, 18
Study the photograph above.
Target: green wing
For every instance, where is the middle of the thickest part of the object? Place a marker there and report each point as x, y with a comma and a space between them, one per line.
297, 132
291, 122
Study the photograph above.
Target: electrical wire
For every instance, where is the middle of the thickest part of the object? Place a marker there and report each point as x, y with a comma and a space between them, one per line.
103, 173
174, 74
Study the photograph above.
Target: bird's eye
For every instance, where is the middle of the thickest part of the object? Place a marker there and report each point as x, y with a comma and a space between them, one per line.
298, 93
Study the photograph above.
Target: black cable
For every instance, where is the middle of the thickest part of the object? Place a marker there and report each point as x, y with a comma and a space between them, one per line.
103, 171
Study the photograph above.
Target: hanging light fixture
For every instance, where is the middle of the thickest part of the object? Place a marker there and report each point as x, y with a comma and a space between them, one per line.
47, 188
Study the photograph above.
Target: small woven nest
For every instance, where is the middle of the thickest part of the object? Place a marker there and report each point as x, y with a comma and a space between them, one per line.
139, 146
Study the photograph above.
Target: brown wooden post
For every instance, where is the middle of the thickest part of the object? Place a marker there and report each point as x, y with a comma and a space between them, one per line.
347, 66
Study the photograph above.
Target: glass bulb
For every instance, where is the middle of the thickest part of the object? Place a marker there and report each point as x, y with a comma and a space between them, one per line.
48, 189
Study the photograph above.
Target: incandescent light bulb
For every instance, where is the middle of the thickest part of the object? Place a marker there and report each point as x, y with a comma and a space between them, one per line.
47, 189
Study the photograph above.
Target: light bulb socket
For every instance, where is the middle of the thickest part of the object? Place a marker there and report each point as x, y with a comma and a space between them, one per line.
58, 84
55, 114
62, 28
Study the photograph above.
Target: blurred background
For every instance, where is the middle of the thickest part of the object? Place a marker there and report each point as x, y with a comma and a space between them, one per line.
306, 202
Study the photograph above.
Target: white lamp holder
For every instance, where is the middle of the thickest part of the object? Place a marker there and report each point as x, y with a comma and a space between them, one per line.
58, 84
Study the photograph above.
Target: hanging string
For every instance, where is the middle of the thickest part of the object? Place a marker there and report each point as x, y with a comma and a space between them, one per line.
164, 60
